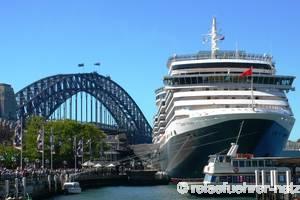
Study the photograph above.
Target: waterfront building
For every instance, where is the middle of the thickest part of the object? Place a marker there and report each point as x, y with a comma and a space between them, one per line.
7, 102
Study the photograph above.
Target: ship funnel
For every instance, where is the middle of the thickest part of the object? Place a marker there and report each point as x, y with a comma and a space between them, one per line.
233, 150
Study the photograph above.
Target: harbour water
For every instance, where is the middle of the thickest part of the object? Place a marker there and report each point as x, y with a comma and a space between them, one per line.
137, 193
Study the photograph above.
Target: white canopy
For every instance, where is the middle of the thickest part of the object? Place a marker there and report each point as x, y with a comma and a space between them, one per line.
98, 165
110, 165
88, 164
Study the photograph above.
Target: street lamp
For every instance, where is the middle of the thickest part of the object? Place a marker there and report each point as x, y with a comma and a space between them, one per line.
2, 160
26, 160
47, 162
14, 160
65, 163
37, 161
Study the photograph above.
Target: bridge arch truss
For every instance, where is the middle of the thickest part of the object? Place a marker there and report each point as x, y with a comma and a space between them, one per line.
44, 96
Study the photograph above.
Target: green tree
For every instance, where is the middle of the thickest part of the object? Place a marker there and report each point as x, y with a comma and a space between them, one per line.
33, 125
64, 132
9, 156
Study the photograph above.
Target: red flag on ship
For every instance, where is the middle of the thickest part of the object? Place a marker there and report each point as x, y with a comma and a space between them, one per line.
247, 72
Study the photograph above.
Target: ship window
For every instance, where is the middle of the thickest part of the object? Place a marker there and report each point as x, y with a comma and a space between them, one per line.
242, 163
248, 163
268, 178
266, 80
227, 159
235, 163
268, 163
255, 79
282, 81
250, 179
269, 80
281, 179
194, 80
220, 158
181, 81
209, 178
223, 179
200, 80
188, 80
212, 160
254, 163
234, 179
261, 163
176, 81
213, 179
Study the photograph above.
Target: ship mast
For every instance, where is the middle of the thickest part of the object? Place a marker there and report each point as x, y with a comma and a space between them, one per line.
214, 39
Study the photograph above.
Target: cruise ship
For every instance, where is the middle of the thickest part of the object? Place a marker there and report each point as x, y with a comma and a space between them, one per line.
205, 98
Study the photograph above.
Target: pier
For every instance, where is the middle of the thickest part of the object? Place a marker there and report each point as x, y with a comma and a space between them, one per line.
44, 183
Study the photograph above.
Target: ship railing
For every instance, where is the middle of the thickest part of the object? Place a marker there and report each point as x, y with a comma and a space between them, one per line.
291, 145
268, 81
280, 109
159, 90
258, 107
203, 55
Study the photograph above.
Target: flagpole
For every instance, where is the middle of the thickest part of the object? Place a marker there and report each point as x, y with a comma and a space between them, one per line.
43, 150
82, 152
51, 149
21, 159
90, 149
252, 96
75, 153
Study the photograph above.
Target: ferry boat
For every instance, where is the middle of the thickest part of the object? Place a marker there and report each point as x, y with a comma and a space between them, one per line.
236, 168
207, 95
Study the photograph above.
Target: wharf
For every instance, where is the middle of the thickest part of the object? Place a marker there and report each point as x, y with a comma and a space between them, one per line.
48, 185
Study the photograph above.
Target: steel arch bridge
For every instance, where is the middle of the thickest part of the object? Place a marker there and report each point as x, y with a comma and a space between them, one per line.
45, 96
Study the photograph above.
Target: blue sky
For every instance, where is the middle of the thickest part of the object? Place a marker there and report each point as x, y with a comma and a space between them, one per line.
133, 39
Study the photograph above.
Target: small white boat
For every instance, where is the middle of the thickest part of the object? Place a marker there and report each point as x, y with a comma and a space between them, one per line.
72, 188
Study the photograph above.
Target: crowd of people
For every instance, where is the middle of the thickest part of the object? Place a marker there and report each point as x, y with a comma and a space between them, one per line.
29, 172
